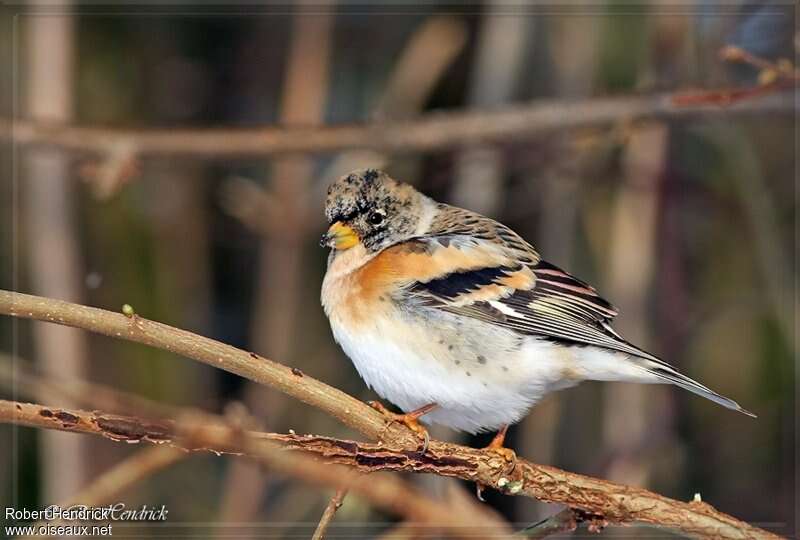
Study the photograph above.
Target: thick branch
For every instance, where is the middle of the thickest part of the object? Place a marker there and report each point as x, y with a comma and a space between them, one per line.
198, 433
432, 132
617, 503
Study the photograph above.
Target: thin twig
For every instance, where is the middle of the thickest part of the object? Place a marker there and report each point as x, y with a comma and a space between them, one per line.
727, 97
781, 69
327, 516
772, 77
431, 132
615, 502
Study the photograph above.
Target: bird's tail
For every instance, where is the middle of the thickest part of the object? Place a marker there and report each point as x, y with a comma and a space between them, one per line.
668, 374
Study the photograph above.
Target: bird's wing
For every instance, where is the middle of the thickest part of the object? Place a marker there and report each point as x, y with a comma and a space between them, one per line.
513, 288
497, 277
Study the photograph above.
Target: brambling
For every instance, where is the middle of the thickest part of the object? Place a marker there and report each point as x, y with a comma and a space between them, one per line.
454, 318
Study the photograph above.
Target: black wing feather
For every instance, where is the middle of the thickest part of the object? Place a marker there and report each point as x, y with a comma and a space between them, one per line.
457, 283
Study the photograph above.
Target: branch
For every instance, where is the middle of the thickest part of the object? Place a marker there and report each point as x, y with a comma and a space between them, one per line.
773, 77
194, 433
290, 381
619, 504
728, 96
432, 132
327, 516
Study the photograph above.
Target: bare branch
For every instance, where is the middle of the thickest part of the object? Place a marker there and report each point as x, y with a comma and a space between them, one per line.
198, 434
772, 77
769, 70
726, 97
619, 504
432, 132
292, 382
327, 516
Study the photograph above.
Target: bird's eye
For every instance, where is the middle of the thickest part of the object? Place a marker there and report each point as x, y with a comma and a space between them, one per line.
375, 218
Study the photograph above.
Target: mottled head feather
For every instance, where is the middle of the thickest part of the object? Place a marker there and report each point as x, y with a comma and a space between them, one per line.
381, 210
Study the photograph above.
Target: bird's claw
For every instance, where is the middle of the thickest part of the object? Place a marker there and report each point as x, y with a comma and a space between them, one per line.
496, 447
506, 453
410, 420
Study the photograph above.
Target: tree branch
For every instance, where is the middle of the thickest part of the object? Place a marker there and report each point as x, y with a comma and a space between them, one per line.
432, 132
327, 516
619, 504
292, 382
193, 433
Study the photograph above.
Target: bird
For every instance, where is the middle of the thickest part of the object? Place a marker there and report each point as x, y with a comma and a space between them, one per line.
457, 320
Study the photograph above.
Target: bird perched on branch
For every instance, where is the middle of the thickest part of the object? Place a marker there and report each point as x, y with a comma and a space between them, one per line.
456, 319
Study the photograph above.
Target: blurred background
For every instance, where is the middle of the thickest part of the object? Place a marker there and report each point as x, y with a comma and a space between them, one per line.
686, 224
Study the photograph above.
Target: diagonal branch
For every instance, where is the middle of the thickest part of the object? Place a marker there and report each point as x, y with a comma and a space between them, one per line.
619, 504
292, 382
432, 132
330, 511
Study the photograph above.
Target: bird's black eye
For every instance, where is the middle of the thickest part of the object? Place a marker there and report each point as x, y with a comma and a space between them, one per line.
375, 218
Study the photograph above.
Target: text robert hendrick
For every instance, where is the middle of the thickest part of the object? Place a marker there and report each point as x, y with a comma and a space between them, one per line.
112, 512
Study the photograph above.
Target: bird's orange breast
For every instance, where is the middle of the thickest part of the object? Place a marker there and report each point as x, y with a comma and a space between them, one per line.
367, 291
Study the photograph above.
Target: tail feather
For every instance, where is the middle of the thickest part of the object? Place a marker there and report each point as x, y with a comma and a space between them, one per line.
670, 375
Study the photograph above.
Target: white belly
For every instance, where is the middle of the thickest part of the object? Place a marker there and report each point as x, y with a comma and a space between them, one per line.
474, 392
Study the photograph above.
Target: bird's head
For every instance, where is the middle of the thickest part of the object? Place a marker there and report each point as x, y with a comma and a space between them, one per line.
368, 207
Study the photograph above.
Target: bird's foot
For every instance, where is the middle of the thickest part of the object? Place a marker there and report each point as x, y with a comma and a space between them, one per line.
496, 447
409, 419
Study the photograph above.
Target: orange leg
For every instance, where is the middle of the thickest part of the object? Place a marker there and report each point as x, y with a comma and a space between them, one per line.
409, 419
497, 447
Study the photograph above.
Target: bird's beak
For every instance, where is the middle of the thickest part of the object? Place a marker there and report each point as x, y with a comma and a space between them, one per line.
339, 236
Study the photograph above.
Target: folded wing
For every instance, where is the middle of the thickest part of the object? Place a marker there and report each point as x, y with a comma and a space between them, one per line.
515, 289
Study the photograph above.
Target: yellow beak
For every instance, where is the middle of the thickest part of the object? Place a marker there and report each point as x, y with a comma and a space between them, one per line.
340, 236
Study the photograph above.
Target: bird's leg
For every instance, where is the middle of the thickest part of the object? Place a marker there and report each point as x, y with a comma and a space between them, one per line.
409, 419
497, 447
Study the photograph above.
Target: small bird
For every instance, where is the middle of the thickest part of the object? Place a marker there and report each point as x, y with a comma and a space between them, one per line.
456, 319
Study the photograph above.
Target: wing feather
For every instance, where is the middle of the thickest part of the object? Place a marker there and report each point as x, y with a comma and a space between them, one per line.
533, 298
478, 268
